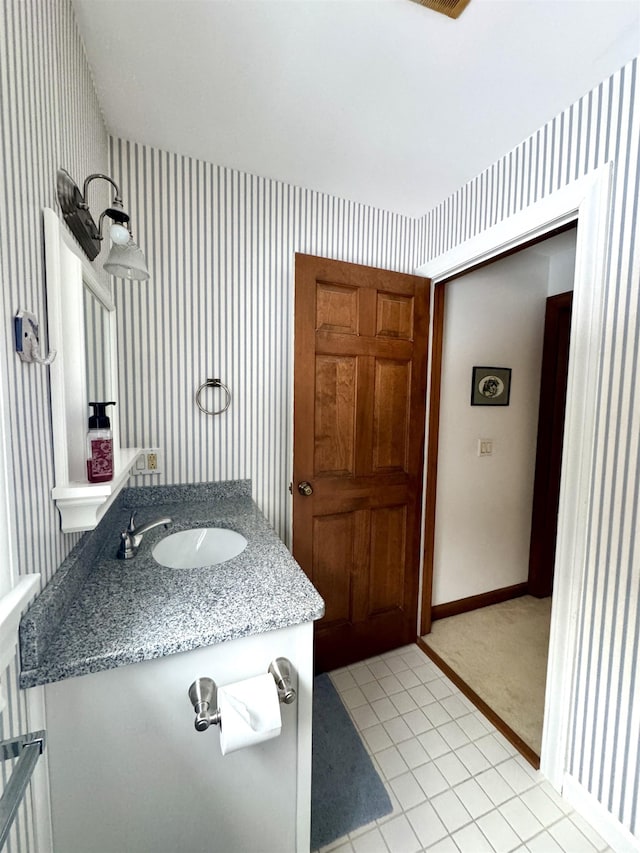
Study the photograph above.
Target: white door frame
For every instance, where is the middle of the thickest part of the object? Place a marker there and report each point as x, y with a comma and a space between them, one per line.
588, 201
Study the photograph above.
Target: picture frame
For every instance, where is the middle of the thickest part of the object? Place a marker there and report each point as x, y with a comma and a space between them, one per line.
490, 386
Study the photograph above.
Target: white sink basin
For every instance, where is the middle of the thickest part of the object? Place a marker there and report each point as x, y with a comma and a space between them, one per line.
201, 546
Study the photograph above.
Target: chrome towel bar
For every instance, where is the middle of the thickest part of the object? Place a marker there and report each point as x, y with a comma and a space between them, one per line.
213, 383
27, 749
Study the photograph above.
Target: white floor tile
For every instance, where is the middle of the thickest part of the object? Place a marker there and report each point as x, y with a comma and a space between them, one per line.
473, 798
370, 842
431, 779
421, 695
362, 674
426, 824
453, 734
598, 842
408, 678
398, 730
521, 819
554, 796
379, 668
376, 738
450, 810
500, 835
433, 743
385, 709
391, 762
447, 845
494, 786
399, 836
539, 803
569, 837
470, 838
352, 697
515, 775
455, 706
373, 691
473, 725
544, 843
436, 714
472, 758
441, 687
415, 658
364, 717
452, 768
340, 845
407, 790
413, 753
343, 679
417, 721
403, 702
492, 748
391, 685
454, 782
360, 830
396, 662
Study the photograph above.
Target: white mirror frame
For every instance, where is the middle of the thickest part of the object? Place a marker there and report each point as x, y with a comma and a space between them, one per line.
68, 272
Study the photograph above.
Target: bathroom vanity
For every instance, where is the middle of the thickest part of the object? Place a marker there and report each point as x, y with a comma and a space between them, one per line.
117, 644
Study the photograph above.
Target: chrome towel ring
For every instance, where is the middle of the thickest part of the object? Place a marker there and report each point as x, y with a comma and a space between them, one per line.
213, 383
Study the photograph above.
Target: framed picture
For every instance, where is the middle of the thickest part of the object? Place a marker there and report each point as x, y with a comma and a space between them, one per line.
490, 386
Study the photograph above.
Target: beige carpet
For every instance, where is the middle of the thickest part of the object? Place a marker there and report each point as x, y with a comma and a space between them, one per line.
501, 652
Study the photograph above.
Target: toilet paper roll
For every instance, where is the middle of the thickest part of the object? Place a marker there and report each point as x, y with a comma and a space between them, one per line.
249, 712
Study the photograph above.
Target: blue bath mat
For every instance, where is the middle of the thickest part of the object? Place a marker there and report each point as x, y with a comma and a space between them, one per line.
346, 791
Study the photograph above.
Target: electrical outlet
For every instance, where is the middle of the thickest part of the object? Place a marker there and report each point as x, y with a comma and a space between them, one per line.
149, 462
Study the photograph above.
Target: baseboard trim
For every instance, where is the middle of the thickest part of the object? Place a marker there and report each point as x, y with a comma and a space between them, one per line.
474, 602
596, 815
514, 739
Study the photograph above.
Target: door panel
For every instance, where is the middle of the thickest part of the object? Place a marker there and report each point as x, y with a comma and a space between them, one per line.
391, 410
335, 411
359, 387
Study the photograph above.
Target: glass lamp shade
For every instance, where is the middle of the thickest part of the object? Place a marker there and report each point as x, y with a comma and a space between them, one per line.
127, 262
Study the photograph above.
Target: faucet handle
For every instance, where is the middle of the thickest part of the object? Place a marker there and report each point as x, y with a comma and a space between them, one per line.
132, 527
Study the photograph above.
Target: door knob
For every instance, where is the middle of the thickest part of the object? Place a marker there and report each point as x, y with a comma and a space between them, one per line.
305, 488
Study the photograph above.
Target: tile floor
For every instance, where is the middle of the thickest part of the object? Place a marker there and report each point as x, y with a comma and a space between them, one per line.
455, 783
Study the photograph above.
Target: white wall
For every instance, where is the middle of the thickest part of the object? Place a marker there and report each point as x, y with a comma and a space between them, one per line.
494, 316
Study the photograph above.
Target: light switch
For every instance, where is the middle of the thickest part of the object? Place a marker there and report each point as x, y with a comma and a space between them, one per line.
485, 447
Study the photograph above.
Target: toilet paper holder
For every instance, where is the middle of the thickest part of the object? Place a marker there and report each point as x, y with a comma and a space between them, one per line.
203, 693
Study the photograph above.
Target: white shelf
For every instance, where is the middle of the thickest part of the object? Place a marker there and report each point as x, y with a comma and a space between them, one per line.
11, 606
82, 505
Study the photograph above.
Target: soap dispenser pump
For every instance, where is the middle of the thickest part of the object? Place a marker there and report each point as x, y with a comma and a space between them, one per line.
100, 445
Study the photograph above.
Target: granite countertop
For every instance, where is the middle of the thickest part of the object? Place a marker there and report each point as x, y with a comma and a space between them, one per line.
99, 612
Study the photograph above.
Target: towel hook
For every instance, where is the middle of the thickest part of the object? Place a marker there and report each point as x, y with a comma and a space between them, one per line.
213, 383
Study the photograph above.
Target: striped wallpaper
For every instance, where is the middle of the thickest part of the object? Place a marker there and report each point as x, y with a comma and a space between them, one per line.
602, 126
49, 117
220, 246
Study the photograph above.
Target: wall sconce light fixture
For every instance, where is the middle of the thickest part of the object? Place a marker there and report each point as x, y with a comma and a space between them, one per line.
125, 259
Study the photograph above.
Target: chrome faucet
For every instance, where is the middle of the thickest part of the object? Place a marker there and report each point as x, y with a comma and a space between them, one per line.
131, 538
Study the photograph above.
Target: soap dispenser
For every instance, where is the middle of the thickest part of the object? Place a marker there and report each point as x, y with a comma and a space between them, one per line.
99, 445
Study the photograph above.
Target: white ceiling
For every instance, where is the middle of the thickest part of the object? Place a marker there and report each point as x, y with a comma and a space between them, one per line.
379, 101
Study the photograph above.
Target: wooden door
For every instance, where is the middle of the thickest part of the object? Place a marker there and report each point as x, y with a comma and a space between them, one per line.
546, 490
359, 412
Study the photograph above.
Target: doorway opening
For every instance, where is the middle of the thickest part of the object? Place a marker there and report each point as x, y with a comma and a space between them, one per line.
490, 614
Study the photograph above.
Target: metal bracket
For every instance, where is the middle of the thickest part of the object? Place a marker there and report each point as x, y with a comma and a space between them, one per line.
27, 749
203, 693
